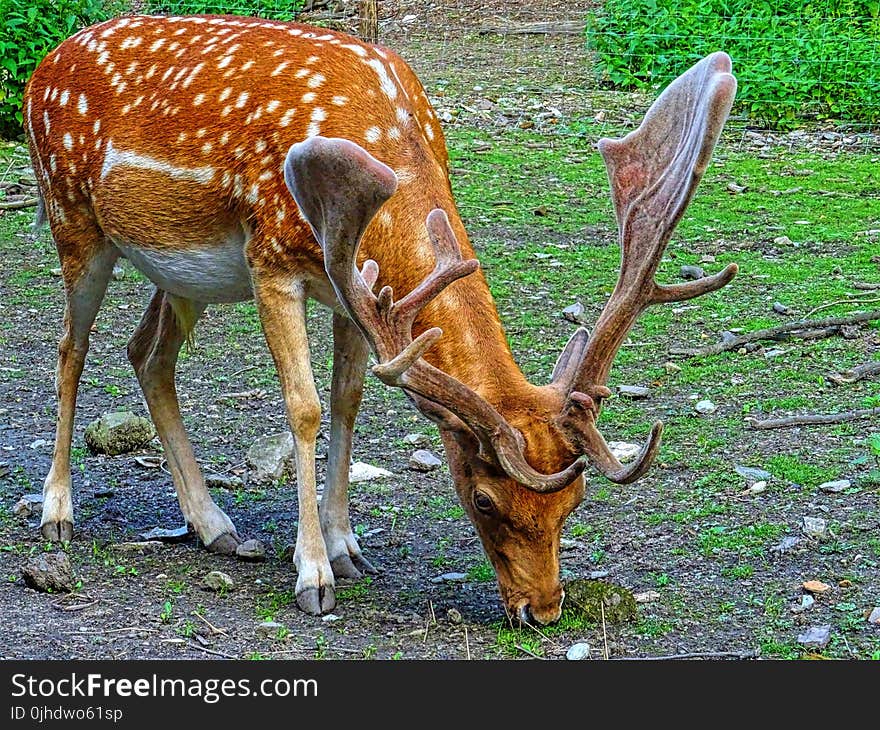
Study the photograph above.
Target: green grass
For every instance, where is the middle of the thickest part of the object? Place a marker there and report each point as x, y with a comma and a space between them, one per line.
750, 540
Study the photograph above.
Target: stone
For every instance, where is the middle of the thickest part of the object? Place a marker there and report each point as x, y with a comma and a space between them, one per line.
624, 451
815, 586
807, 602
785, 544
591, 599
253, 551
671, 368
119, 433
574, 313
118, 273
774, 352
836, 486
636, 392
757, 488
752, 474
780, 308
450, 578
218, 581
646, 596
330, 618
416, 439
566, 543
597, 574
423, 460
29, 504
224, 481
164, 535
144, 547
269, 628
815, 527
363, 472
732, 187
270, 456
578, 652
705, 407
816, 637
692, 273
874, 617
49, 573
453, 616
782, 241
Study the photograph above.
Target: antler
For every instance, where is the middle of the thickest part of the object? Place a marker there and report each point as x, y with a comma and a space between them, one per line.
653, 172
339, 187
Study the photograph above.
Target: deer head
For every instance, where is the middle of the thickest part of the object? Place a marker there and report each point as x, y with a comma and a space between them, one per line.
517, 463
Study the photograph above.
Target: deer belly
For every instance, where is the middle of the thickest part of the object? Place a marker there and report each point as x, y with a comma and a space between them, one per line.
210, 273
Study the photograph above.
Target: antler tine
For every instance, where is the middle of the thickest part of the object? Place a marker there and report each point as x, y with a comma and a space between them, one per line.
654, 172
339, 187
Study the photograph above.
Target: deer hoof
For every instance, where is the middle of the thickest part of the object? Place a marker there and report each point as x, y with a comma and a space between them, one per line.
226, 544
57, 531
344, 567
315, 601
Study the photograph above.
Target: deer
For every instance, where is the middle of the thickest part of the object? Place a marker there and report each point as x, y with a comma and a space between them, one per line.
230, 158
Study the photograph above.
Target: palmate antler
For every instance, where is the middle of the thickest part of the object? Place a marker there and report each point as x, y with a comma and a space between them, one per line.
339, 187
653, 172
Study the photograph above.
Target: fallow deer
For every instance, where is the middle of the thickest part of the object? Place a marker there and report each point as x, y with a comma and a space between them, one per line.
169, 140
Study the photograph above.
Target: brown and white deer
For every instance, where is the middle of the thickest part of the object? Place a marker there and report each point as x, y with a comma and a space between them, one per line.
169, 141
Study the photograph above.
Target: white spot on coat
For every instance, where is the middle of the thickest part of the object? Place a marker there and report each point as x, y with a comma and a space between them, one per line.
373, 134
242, 99
339, 100
315, 81
68, 141
308, 97
65, 95
280, 67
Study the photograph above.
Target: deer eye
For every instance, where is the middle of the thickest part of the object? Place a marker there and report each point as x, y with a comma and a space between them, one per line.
483, 503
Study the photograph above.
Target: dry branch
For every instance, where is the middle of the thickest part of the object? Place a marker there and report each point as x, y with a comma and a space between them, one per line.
18, 204
566, 27
866, 285
751, 654
857, 373
814, 419
729, 341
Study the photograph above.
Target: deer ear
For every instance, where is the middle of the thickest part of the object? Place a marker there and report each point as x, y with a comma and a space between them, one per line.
338, 186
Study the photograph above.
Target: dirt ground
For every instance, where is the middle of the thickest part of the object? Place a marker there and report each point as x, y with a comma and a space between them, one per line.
133, 606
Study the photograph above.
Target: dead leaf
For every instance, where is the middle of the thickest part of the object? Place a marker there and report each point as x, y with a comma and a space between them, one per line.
816, 586
149, 462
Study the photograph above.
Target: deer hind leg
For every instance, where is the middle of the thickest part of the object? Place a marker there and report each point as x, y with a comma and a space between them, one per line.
281, 304
350, 351
153, 351
87, 260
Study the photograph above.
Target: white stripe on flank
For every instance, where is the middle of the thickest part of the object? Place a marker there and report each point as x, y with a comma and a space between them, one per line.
127, 158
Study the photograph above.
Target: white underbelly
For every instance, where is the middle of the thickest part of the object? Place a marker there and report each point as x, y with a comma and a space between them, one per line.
213, 273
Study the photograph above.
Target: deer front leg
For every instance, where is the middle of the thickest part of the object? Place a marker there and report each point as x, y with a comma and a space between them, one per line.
281, 304
153, 351
85, 284
350, 351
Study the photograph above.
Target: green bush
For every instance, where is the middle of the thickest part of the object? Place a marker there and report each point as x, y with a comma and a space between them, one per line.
792, 58
29, 29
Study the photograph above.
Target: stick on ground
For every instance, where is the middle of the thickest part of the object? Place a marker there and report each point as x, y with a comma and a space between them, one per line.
857, 373
730, 341
814, 419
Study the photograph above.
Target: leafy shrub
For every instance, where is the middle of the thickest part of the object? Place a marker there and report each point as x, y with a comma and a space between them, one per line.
792, 58
29, 29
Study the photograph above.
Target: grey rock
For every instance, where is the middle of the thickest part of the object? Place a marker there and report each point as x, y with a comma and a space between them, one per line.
574, 313
835, 486
785, 544
578, 652
269, 628
118, 273
28, 505
49, 572
270, 456
783, 241
692, 273
566, 543
705, 407
671, 368
780, 308
815, 527
160, 533
635, 392
218, 581
807, 602
423, 460
735, 189
252, 551
624, 451
598, 574
363, 472
416, 439
330, 618
144, 547
450, 578
774, 352
119, 433
224, 481
752, 474
874, 617
453, 616
816, 637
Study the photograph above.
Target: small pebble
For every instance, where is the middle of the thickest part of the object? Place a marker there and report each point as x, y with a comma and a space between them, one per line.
578, 652
705, 407
836, 486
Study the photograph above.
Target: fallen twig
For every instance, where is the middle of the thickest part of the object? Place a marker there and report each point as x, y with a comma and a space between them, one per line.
18, 204
729, 341
750, 654
866, 285
529, 652
74, 607
570, 27
814, 419
193, 645
840, 301
857, 373
214, 629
